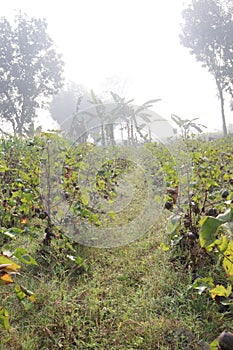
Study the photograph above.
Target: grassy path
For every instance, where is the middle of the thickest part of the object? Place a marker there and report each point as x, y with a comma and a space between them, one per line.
128, 298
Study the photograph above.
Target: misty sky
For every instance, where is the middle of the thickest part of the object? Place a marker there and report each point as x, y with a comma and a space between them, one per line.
131, 47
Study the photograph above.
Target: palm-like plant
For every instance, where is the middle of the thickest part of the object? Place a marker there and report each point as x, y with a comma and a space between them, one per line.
186, 126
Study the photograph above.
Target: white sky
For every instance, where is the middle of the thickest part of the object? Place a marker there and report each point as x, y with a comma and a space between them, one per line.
137, 43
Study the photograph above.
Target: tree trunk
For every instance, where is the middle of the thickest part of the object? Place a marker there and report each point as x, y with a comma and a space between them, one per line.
220, 90
128, 132
102, 135
150, 137
112, 136
131, 131
20, 129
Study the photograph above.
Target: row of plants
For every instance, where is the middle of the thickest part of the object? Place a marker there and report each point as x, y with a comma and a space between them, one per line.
43, 195
200, 229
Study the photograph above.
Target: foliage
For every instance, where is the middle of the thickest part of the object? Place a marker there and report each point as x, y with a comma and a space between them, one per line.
23, 212
42, 176
208, 31
130, 297
9, 268
31, 70
186, 125
201, 230
85, 115
124, 114
216, 236
135, 118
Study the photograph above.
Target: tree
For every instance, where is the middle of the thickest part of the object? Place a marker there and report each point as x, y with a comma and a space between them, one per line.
208, 32
30, 70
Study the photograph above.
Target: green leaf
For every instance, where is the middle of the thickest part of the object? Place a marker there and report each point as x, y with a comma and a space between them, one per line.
222, 243
12, 232
85, 199
112, 215
19, 293
24, 257
173, 223
4, 319
209, 226
164, 247
208, 281
93, 218
214, 345
201, 284
25, 295
3, 168
210, 183
79, 261
221, 291
11, 265
228, 259
68, 245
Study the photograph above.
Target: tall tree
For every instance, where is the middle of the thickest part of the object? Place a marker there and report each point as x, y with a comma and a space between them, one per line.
208, 32
30, 70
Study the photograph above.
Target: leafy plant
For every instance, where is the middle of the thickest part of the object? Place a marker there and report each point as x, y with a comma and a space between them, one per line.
200, 231
216, 236
8, 268
187, 125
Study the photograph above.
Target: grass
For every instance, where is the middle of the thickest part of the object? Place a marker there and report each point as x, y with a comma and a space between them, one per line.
128, 298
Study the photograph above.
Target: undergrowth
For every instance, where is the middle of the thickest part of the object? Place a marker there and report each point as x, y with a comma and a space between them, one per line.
135, 297
125, 298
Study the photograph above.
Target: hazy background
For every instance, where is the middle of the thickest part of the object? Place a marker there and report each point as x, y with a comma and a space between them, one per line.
130, 47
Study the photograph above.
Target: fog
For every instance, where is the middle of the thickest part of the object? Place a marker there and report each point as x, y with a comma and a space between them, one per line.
132, 48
